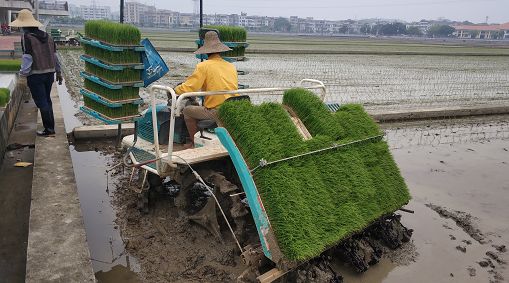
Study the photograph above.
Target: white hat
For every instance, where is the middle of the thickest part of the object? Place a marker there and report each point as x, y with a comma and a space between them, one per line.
25, 19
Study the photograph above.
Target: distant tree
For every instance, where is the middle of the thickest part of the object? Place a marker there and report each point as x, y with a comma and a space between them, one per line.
282, 24
343, 29
440, 31
393, 29
366, 29
414, 31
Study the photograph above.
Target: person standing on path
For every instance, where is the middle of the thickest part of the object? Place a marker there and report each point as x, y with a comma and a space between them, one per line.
38, 67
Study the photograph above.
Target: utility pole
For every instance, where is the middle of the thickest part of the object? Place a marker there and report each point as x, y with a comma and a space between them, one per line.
36, 4
121, 11
201, 14
119, 129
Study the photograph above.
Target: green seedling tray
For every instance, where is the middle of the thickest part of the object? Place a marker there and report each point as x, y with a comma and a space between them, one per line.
108, 84
200, 42
228, 59
110, 66
106, 119
110, 47
107, 102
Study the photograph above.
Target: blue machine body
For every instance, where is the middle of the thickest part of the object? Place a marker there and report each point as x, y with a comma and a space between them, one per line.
145, 128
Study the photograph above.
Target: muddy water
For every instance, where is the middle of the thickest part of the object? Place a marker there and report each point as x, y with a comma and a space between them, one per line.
468, 175
90, 160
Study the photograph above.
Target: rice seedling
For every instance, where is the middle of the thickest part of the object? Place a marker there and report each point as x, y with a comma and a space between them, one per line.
112, 32
125, 75
127, 110
126, 92
113, 57
5, 94
230, 33
316, 201
9, 65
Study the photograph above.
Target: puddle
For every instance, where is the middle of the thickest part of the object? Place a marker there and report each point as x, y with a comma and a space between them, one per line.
69, 108
110, 260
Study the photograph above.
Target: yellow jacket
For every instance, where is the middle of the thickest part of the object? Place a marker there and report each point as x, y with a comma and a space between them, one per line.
210, 75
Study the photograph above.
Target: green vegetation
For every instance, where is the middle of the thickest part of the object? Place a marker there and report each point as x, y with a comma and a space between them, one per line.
5, 94
126, 92
118, 57
112, 32
126, 110
10, 65
440, 31
232, 34
316, 201
126, 75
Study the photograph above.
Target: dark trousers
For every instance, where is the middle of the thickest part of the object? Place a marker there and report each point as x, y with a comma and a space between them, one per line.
40, 87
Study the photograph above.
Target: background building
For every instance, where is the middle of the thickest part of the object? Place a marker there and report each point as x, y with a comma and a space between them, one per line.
9, 9
482, 31
90, 12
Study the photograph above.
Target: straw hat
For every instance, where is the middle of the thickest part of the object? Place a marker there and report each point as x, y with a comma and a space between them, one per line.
25, 19
212, 44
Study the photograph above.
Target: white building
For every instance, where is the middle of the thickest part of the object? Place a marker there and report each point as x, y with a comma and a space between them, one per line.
95, 12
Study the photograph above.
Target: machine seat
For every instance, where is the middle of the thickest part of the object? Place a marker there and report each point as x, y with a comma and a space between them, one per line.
206, 124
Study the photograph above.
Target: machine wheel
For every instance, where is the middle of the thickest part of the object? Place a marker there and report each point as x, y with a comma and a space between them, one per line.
202, 208
147, 182
365, 249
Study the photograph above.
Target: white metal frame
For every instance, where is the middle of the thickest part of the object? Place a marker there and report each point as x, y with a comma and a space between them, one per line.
176, 109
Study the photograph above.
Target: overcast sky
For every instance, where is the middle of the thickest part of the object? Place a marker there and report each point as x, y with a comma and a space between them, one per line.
408, 10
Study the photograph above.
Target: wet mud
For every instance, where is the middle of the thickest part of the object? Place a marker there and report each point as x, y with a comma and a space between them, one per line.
464, 220
168, 246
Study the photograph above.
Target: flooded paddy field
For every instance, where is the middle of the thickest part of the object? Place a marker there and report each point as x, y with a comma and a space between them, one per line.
380, 83
280, 41
456, 171
458, 181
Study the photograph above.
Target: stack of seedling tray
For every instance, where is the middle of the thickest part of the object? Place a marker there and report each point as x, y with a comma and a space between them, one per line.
113, 69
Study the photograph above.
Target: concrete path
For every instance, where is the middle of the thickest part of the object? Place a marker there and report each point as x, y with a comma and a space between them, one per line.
57, 245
